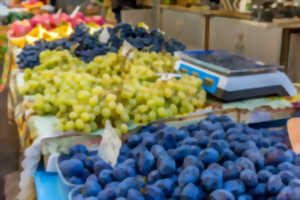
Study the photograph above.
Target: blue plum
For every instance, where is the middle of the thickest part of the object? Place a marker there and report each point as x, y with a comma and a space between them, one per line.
166, 165
101, 165
285, 166
244, 163
79, 148
212, 179
209, 156
190, 192
153, 176
228, 155
221, 195
231, 172
107, 194
285, 194
134, 194
256, 157
125, 185
157, 150
72, 167
166, 185
275, 157
154, 193
188, 175
79, 197
134, 140
264, 175
236, 187
245, 197
105, 177
218, 144
259, 190
146, 162
249, 177
295, 183
124, 149
286, 176
80, 156
274, 184
76, 181
92, 188
122, 171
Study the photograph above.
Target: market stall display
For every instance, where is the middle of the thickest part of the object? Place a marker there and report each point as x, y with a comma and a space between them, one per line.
76, 80
213, 159
125, 80
110, 87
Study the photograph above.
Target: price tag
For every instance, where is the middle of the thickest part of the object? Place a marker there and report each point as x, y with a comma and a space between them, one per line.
126, 48
75, 11
110, 145
58, 13
104, 36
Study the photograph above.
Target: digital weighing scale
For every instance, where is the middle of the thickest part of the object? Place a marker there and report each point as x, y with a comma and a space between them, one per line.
231, 77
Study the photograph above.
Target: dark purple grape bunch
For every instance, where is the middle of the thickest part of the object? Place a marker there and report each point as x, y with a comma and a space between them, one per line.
30, 55
87, 46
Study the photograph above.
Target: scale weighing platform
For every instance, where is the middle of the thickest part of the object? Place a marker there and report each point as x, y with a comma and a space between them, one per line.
232, 77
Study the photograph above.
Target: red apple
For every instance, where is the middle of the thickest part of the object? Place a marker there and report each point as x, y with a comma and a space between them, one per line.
45, 21
87, 20
76, 22
79, 15
35, 21
54, 21
19, 30
98, 20
63, 18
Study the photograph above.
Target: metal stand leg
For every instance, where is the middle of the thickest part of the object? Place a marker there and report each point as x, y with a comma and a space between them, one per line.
206, 32
156, 14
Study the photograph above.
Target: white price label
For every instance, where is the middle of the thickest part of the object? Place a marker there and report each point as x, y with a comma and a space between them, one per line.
104, 36
127, 49
110, 145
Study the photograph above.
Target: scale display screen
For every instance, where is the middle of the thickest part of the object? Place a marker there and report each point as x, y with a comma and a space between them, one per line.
226, 63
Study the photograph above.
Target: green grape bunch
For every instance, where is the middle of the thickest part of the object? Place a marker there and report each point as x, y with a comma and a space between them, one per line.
111, 87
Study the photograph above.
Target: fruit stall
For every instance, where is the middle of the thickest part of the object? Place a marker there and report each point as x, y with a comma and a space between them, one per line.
116, 111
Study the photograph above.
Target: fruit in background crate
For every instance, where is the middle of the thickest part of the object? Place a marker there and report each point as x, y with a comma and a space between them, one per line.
52, 21
89, 46
19, 29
